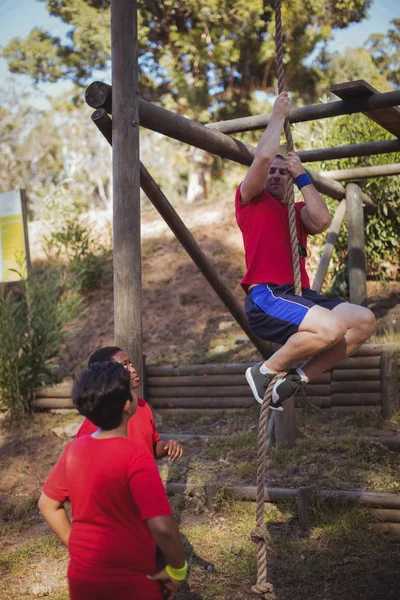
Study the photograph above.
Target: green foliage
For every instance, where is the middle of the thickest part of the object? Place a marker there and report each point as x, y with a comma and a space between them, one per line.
35, 324
192, 54
89, 260
352, 64
385, 52
382, 226
57, 156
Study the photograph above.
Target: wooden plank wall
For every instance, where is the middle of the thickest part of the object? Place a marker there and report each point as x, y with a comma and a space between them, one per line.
358, 384
354, 384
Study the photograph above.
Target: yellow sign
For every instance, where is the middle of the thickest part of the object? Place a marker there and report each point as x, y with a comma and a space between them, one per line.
12, 240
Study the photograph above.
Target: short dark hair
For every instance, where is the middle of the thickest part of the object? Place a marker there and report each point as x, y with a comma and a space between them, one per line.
280, 156
104, 354
100, 393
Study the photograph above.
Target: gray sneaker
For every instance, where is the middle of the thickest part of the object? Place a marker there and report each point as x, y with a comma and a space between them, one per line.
257, 381
284, 388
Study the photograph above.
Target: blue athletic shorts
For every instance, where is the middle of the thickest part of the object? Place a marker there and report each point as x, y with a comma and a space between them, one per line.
274, 312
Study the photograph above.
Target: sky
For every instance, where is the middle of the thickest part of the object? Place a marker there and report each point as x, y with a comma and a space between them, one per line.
19, 17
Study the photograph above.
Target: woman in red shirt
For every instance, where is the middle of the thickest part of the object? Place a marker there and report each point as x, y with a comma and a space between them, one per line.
118, 502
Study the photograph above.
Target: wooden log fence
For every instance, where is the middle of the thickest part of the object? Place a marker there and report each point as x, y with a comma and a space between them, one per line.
361, 383
385, 507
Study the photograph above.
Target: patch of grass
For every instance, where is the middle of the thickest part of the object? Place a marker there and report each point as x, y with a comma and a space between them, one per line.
388, 336
174, 471
223, 541
23, 556
395, 420
246, 469
21, 513
321, 461
231, 447
360, 420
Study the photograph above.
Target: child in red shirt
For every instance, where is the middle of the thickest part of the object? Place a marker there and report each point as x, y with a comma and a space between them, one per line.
141, 426
118, 502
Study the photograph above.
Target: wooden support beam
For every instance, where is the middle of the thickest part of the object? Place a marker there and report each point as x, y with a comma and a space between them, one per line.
388, 118
184, 130
284, 425
126, 183
366, 149
337, 191
324, 186
311, 113
329, 246
304, 499
363, 172
356, 245
98, 95
167, 211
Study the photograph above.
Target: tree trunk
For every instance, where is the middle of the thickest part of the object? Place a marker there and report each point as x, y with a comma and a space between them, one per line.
197, 176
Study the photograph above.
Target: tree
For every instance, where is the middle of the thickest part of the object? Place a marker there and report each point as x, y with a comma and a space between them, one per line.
382, 226
385, 52
194, 55
53, 154
352, 64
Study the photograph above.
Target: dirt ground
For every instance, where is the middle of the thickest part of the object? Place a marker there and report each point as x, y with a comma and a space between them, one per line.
344, 558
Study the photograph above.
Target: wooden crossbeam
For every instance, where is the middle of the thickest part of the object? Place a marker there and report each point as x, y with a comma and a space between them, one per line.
388, 118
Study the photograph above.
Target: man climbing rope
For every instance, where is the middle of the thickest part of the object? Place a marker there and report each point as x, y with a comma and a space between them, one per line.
321, 331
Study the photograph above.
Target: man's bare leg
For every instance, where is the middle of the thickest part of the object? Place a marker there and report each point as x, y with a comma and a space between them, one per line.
326, 336
360, 323
320, 329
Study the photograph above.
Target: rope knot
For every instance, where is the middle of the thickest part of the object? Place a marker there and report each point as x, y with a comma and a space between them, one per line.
259, 534
265, 590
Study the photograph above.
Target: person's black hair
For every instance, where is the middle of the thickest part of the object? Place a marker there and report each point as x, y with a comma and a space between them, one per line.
280, 156
104, 354
100, 393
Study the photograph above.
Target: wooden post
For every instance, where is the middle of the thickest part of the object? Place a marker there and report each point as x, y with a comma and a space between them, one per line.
126, 182
24, 206
328, 247
356, 245
304, 495
390, 383
285, 425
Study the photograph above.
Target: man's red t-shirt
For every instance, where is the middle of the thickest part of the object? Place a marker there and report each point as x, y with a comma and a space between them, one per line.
113, 486
268, 251
141, 427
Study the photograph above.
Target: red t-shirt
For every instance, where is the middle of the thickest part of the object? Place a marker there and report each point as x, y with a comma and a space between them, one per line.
141, 427
113, 486
268, 251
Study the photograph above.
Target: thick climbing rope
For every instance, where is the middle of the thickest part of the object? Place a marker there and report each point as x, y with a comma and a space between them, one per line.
290, 147
263, 588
